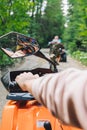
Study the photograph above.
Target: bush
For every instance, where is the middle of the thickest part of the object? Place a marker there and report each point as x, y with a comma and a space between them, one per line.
5, 60
81, 56
72, 47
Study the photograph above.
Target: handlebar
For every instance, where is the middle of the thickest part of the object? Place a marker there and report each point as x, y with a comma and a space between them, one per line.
15, 92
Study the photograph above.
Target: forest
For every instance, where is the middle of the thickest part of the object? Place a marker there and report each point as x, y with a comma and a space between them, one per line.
43, 19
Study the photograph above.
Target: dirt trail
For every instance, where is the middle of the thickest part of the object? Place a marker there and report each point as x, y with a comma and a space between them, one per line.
33, 61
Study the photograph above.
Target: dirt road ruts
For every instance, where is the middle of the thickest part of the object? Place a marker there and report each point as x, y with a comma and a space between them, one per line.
34, 62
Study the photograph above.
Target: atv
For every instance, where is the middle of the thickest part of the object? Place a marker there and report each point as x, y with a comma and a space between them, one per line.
22, 111
58, 53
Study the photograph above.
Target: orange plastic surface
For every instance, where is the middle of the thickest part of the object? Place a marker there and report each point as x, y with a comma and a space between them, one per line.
28, 115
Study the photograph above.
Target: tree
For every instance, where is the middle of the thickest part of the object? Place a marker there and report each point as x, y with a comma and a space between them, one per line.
44, 25
13, 16
77, 22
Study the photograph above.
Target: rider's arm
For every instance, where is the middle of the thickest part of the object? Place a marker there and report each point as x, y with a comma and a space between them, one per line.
64, 94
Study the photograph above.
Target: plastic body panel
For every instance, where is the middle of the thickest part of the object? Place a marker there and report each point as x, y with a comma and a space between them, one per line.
28, 115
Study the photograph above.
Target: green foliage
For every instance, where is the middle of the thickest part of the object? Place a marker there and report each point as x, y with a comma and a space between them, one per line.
44, 27
5, 60
72, 47
81, 56
77, 30
27, 17
13, 16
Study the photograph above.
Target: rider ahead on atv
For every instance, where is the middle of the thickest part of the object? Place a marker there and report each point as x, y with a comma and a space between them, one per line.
57, 50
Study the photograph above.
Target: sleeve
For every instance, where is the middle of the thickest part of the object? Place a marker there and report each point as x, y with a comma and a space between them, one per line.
65, 95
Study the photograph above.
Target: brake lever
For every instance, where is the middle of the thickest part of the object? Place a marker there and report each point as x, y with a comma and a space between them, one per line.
41, 55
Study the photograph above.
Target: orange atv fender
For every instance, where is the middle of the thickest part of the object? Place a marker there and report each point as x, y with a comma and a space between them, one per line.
29, 115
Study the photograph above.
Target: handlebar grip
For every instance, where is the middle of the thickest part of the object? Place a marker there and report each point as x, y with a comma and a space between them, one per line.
14, 87
13, 84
